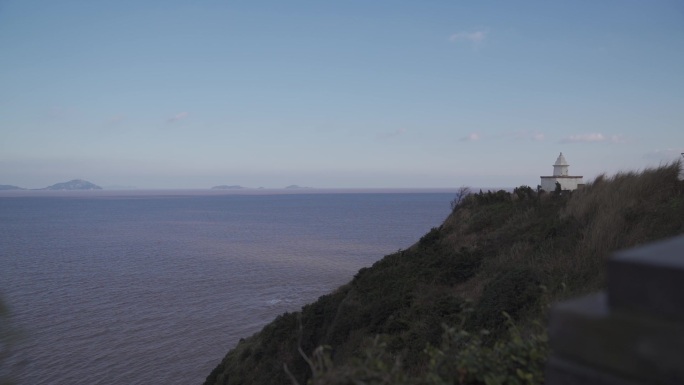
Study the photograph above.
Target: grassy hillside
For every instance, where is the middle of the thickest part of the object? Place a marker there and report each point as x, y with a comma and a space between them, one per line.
495, 264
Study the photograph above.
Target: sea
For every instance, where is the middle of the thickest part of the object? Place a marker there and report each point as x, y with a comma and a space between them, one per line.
155, 287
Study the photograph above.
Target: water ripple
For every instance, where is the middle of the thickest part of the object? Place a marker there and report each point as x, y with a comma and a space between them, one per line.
158, 289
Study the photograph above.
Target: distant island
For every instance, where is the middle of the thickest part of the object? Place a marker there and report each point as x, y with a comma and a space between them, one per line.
80, 184
10, 187
225, 187
76, 184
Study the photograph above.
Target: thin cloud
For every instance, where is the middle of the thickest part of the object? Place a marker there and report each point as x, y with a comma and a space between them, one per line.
593, 138
472, 137
665, 154
392, 134
177, 117
474, 37
529, 135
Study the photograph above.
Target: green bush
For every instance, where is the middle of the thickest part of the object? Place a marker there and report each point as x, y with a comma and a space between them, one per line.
453, 268
464, 358
490, 197
525, 192
430, 238
461, 358
510, 292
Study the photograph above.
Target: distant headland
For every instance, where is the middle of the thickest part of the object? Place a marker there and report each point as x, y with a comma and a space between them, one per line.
75, 184
10, 187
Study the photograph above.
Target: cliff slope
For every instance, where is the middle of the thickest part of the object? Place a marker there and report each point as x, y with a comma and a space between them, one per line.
498, 260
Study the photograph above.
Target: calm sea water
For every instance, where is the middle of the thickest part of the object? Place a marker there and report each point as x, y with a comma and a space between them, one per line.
120, 288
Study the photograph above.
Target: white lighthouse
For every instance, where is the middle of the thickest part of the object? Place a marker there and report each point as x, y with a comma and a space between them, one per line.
560, 175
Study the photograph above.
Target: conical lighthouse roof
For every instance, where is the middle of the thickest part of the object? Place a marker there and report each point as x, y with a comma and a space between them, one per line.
561, 161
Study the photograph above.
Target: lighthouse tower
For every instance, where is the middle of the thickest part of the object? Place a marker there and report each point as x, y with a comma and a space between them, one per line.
560, 175
560, 168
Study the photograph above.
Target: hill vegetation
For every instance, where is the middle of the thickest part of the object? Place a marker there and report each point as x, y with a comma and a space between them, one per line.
467, 304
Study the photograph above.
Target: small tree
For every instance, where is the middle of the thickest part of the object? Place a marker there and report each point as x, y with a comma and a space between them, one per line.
461, 194
524, 192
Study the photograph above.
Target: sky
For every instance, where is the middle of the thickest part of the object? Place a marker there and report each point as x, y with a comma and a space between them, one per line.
336, 94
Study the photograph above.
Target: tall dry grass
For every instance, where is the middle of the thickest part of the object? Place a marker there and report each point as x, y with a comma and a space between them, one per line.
568, 238
623, 211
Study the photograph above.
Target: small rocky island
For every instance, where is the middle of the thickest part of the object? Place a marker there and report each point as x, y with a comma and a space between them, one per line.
76, 184
225, 187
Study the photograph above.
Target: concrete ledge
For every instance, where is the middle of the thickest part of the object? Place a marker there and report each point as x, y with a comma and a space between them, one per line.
630, 345
649, 279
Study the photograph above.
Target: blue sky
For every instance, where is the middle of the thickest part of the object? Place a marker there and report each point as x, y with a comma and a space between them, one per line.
192, 94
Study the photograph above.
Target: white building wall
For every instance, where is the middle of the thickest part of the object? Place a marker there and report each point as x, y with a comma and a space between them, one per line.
549, 183
570, 183
560, 170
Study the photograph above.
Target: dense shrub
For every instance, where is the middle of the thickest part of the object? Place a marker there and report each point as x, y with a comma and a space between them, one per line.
492, 197
464, 358
460, 358
430, 238
510, 292
525, 192
453, 268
